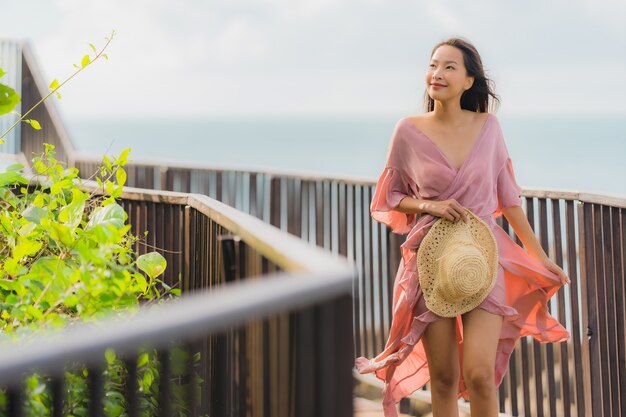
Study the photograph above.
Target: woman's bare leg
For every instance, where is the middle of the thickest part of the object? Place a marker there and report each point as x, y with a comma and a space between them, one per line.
440, 345
481, 332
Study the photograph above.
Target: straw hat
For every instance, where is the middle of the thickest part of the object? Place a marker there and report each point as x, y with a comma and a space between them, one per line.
457, 265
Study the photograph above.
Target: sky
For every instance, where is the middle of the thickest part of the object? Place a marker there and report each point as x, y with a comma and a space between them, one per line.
192, 58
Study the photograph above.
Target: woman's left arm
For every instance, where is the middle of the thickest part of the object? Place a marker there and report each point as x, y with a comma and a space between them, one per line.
516, 217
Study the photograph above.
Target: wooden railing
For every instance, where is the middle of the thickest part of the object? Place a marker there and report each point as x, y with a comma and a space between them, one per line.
574, 378
267, 314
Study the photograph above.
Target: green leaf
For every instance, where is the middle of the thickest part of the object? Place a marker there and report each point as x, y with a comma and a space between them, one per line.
147, 380
27, 229
26, 248
85, 61
109, 187
120, 176
15, 167
11, 178
124, 156
34, 312
72, 214
8, 99
13, 268
152, 263
61, 233
107, 162
142, 360
34, 214
2, 73
109, 354
54, 84
71, 300
110, 215
34, 123
141, 282
93, 48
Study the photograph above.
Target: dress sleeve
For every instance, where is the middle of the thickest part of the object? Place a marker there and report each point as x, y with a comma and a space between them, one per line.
392, 186
508, 189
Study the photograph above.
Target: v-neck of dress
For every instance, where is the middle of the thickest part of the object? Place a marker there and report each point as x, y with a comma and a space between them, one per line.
445, 157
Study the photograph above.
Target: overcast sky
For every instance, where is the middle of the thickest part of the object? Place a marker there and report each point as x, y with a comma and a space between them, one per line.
337, 57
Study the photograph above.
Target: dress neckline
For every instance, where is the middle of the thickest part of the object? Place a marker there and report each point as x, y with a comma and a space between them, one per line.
445, 157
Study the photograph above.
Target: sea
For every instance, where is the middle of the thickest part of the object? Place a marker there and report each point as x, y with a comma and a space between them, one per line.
586, 154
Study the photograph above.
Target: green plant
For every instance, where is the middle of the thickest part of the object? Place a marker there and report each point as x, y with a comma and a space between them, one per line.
67, 255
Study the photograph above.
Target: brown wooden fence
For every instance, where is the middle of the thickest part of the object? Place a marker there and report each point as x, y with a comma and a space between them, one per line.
267, 315
574, 378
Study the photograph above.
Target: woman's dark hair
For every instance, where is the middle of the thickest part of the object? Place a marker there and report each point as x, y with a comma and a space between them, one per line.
477, 97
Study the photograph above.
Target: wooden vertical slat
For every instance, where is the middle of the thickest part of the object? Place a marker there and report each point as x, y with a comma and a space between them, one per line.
610, 295
132, 392
188, 250
601, 325
548, 349
564, 377
619, 262
576, 311
590, 350
319, 213
57, 385
365, 244
326, 232
165, 375
538, 381
96, 392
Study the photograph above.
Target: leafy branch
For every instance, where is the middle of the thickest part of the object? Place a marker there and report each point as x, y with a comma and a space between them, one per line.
8, 96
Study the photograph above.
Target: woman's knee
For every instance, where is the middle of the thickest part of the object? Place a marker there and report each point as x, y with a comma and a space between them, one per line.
479, 378
444, 380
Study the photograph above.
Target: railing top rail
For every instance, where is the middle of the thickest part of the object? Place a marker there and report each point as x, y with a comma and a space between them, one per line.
287, 251
612, 199
193, 314
191, 165
608, 199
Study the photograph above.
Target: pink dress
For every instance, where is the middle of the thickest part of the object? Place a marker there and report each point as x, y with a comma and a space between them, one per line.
485, 184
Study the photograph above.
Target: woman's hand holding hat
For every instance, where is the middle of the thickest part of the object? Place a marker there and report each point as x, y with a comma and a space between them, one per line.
448, 209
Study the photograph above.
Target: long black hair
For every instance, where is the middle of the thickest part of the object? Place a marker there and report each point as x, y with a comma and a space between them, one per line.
476, 98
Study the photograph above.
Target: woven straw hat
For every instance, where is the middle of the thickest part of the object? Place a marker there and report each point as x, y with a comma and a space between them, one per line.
457, 265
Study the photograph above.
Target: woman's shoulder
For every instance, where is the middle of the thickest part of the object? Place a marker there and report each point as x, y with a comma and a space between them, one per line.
423, 117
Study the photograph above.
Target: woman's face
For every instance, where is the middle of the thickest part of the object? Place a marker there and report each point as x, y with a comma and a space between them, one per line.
446, 67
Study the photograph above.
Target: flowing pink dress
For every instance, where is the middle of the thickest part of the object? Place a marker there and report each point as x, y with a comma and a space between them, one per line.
485, 184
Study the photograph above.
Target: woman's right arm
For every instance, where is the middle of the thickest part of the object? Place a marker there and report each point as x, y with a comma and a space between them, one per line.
412, 205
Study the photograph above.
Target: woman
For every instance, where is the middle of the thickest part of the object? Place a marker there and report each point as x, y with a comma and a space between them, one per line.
439, 163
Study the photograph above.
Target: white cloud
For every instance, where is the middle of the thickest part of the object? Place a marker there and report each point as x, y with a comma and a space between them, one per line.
341, 56
444, 16
239, 41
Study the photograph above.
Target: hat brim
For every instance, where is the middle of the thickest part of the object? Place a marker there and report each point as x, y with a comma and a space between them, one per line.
430, 248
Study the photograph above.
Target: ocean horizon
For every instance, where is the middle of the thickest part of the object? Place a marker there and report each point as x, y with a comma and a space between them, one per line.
562, 152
